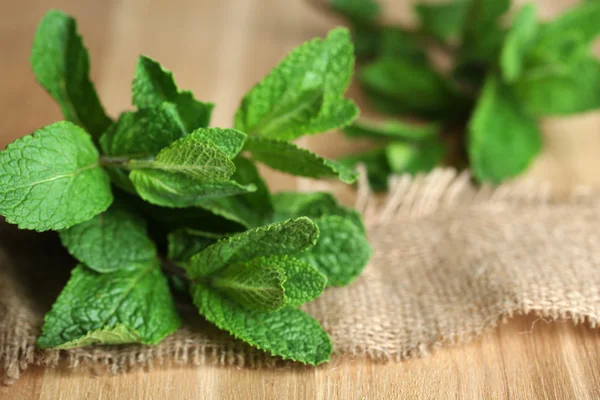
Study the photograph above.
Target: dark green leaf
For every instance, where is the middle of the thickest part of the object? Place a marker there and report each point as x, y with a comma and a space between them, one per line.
394, 130
183, 244
443, 20
61, 65
406, 158
376, 163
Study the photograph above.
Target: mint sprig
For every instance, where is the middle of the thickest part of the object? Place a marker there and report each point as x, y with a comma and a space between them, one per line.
191, 213
500, 76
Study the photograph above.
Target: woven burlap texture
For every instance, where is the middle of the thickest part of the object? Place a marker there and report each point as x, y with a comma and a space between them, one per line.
449, 262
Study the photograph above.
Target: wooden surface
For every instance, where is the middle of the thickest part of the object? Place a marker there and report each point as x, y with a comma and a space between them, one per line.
218, 49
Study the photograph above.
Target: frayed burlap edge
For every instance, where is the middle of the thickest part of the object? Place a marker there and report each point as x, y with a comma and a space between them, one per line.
408, 198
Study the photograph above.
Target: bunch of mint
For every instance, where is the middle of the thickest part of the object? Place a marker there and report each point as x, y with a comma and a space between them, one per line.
482, 109
157, 206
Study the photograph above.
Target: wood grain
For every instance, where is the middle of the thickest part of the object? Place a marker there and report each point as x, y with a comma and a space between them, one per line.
218, 49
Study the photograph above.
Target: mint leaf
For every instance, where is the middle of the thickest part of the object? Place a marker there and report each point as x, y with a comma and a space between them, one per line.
288, 332
561, 89
304, 93
154, 85
443, 20
303, 282
110, 241
376, 163
395, 42
483, 35
342, 251
183, 244
503, 139
394, 130
289, 158
518, 42
180, 191
142, 133
255, 284
52, 179
128, 306
192, 156
313, 205
229, 141
288, 237
577, 27
249, 209
357, 10
405, 158
61, 65
411, 87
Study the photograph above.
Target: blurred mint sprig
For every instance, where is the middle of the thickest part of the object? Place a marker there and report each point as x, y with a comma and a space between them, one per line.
484, 111
156, 203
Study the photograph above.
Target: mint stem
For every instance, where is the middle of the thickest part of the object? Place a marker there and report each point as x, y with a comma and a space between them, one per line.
174, 269
114, 162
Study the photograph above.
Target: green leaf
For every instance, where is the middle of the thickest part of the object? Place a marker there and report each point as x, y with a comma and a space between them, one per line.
304, 93
503, 139
443, 20
357, 10
518, 42
303, 282
342, 251
483, 35
248, 209
193, 156
405, 158
561, 89
288, 237
395, 42
376, 163
288, 332
110, 241
52, 179
313, 205
229, 141
142, 133
154, 85
412, 88
394, 130
290, 158
128, 306
577, 27
255, 284
179, 191
61, 65
183, 244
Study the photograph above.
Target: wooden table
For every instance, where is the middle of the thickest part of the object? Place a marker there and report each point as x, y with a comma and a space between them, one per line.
219, 48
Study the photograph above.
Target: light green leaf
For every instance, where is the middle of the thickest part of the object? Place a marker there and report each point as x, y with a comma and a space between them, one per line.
193, 156
110, 241
154, 85
229, 141
179, 191
578, 27
304, 93
342, 251
290, 158
313, 205
52, 179
183, 244
142, 133
443, 20
503, 139
248, 209
303, 282
413, 88
376, 163
394, 130
518, 42
288, 332
128, 306
288, 237
405, 158
255, 284
61, 65
561, 89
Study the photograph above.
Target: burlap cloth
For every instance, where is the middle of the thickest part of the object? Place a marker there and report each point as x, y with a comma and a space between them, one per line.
449, 262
